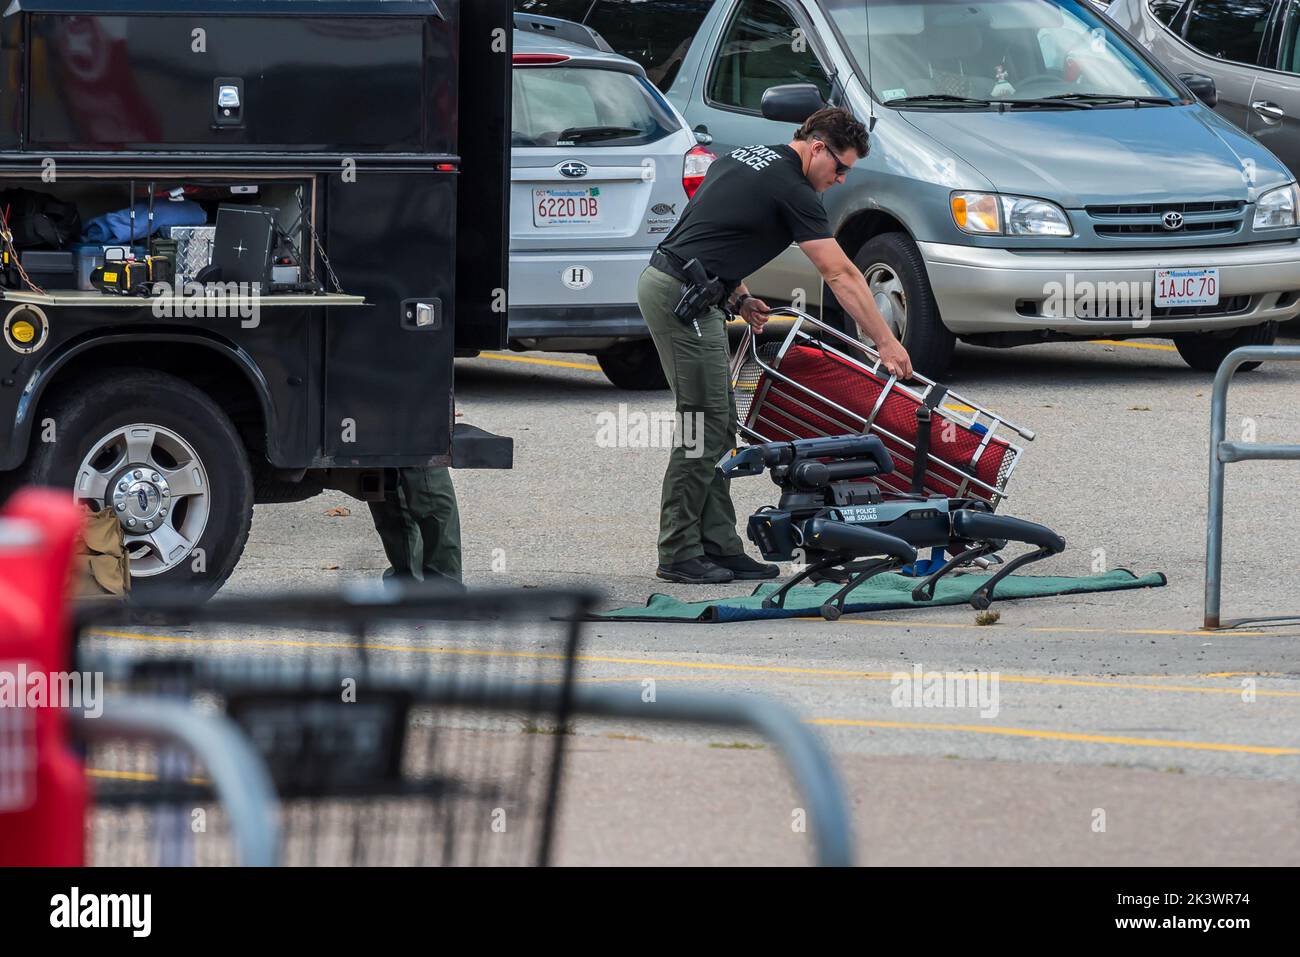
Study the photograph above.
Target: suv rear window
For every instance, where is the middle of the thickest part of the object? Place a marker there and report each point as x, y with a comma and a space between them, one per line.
593, 107
655, 33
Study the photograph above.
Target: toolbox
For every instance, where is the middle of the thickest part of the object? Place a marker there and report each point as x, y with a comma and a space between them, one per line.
193, 249
49, 267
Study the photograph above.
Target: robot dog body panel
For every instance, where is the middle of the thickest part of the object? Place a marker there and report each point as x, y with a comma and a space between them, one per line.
917, 524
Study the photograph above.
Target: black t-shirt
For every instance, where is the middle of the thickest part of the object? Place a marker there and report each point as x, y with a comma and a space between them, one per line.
753, 203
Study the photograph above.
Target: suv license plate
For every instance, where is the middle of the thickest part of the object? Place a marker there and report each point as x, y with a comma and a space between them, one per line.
1187, 287
567, 206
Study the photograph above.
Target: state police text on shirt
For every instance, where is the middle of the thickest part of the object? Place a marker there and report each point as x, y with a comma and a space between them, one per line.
756, 156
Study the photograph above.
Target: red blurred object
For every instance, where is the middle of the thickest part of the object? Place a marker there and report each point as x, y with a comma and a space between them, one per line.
42, 783
694, 168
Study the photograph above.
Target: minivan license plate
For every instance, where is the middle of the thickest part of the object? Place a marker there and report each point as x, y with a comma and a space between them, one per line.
1187, 287
568, 206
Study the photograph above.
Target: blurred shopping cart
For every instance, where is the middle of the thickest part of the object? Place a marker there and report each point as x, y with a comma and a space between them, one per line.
396, 728
363, 726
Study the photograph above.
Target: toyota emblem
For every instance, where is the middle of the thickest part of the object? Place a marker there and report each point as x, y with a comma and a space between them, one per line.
573, 169
1173, 220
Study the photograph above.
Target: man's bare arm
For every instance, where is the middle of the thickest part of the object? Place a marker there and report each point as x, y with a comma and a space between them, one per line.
845, 280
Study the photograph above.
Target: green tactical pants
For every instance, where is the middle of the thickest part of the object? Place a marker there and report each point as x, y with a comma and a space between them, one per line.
695, 510
419, 525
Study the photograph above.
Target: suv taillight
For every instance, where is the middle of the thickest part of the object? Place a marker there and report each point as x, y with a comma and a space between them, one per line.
537, 59
697, 164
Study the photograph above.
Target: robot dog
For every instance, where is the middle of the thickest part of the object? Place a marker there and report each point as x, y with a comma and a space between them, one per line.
871, 470
838, 520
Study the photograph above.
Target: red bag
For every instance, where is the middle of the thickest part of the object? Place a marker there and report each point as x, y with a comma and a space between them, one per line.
959, 451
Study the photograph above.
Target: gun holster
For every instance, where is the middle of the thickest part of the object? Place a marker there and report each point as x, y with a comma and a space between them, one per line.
699, 294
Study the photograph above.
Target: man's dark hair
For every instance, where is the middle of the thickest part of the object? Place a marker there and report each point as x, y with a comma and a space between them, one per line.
839, 129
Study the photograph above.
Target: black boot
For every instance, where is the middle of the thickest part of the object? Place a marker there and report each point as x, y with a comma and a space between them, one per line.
744, 568
694, 571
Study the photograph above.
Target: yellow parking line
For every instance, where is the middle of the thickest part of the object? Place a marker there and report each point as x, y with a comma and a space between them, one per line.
134, 776
1163, 347
502, 357
1045, 630
592, 367
699, 665
1059, 736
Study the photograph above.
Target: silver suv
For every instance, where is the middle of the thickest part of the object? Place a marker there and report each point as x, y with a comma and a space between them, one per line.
601, 167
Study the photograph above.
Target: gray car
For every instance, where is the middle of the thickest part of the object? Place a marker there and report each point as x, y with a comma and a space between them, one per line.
601, 167
1033, 174
1248, 47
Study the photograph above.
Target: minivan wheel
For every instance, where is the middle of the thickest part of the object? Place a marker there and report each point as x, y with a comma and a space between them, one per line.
633, 365
895, 273
1205, 351
169, 462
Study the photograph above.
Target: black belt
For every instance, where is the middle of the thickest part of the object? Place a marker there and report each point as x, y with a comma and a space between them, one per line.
668, 263
672, 264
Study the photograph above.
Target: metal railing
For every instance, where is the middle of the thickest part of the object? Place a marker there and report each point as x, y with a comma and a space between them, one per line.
1223, 452
236, 771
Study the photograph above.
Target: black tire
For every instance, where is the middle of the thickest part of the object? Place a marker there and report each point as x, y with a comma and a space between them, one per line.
89, 410
633, 365
1206, 351
925, 337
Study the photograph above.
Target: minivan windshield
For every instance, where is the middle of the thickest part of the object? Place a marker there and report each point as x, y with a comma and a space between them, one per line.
995, 54
572, 106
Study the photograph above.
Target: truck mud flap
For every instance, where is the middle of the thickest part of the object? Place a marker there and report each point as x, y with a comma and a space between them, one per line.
474, 448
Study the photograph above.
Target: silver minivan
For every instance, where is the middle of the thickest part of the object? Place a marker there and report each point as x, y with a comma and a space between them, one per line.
1034, 174
601, 167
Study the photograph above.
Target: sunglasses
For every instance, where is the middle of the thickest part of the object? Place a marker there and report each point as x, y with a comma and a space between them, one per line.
840, 167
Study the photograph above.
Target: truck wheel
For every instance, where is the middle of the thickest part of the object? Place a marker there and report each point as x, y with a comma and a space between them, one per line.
168, 460
895, 274
1205, 351
633, 365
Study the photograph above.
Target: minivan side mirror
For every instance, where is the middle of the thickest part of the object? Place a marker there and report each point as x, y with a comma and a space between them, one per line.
791, 102
1202, 87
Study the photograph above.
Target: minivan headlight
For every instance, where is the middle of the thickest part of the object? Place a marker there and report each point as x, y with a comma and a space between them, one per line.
995, 214
1277, 207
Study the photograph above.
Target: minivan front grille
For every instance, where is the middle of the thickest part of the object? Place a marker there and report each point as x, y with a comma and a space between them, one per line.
1215, 217
1159, 209
1140, 229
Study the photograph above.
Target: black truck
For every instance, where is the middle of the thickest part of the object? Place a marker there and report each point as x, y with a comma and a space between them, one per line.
341, 170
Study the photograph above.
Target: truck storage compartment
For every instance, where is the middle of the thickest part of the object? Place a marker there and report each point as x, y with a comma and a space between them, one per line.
319, 75
183, 230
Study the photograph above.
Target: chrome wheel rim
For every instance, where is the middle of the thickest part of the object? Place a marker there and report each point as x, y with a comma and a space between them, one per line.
891, 299
157, 486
